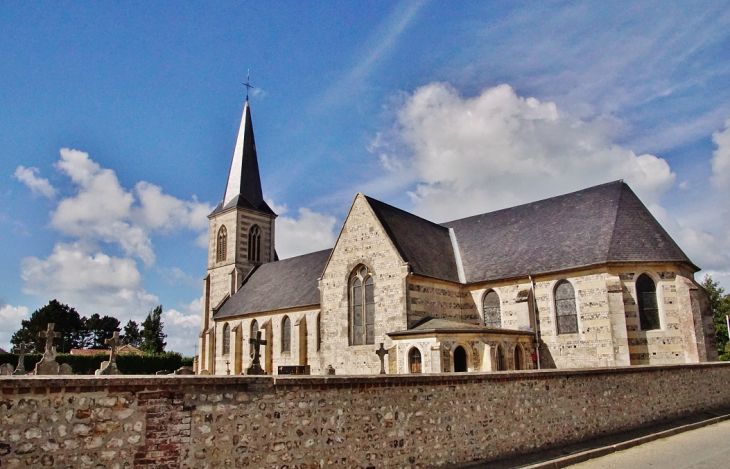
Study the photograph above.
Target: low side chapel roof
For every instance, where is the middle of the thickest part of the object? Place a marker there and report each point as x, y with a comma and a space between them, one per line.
601, 224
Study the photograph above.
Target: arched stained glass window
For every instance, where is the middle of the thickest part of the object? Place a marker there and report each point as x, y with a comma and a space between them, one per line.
222, 244
648, 306
286, 334
492, 310
254, 330
565, 309
519, 359
414, 360
254, 244
362, 307
226, 339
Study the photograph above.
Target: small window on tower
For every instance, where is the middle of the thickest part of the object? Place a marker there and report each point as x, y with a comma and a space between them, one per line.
221, 251
254, 244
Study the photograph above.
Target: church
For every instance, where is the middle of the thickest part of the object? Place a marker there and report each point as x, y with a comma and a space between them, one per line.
580, 280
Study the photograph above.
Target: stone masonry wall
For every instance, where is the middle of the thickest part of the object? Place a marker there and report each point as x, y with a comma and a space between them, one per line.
374, 421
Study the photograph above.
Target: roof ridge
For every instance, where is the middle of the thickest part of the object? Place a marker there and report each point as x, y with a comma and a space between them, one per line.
591, 188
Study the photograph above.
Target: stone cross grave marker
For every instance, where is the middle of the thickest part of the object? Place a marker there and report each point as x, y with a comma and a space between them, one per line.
110, 367
48, 365
255, 368
382, 352
49, 334
21, 350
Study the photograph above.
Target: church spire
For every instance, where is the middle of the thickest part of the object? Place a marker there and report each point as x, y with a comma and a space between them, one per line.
243, 178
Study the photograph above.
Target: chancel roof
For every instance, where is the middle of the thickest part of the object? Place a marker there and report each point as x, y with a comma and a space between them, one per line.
598, 225
289, 283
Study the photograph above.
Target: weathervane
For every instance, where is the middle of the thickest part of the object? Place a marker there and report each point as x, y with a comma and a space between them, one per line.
248, 82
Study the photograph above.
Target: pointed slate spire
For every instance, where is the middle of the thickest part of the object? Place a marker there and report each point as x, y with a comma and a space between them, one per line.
243, 178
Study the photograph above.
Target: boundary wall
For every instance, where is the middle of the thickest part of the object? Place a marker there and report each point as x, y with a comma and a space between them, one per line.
368, 421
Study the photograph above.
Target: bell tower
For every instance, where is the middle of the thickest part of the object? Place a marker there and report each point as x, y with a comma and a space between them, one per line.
240, 236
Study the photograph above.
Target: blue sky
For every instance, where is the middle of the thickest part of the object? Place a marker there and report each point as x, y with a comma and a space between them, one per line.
118, 122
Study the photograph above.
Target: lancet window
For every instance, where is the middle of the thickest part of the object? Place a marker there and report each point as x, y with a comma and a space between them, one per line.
222, 244
254, 244
492, 310
226, 339
254, 330
286, 334
648, 305
565, 308
362, 307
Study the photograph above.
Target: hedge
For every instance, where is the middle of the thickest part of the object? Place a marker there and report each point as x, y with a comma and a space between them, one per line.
128, 364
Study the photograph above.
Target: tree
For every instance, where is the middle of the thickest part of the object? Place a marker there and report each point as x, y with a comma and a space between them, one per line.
67, 322
132, 336
97, 329
153, 340
720, 306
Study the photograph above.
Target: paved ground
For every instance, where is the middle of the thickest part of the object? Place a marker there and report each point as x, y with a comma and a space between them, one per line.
707, 447
697, 441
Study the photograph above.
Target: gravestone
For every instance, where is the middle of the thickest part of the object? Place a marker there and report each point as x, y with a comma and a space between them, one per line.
110, 367
185, 370
255, 368
65, 369
48, 365
6, 369
382, 352
21, 350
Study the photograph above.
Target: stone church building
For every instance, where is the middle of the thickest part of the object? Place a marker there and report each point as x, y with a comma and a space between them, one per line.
586, 279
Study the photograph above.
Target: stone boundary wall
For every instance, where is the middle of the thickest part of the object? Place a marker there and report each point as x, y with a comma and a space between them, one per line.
368, 421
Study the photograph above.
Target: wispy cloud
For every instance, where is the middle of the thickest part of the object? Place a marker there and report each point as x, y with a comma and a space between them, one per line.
376, 48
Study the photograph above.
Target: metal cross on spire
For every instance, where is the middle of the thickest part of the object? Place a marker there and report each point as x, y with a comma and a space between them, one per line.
248, 83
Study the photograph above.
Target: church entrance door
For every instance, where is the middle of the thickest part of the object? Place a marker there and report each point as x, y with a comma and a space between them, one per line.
460, 360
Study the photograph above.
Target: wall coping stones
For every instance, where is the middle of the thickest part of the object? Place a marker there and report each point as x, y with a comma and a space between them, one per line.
146, 383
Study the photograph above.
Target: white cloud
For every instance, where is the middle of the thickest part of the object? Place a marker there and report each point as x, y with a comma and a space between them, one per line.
494, 150
182, 331
10, 318
310, 232
37, 185
103, 210
721, 158
91, 281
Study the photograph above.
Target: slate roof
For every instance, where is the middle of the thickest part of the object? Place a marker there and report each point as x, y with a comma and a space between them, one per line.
243, 188
289, 283
601, 224
425, 245
431, 325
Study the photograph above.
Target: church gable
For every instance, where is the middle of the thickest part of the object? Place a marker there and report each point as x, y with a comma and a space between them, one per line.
362, 252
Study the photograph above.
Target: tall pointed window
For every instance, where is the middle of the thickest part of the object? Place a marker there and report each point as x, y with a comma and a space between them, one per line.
319, 332
565, 309
221, 248
492, 311
286, 334
648, 307
254, 244
254, 330
362, 307
499, 364
226, 339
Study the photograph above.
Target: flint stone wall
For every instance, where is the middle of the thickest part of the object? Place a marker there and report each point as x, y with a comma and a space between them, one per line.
373, 421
